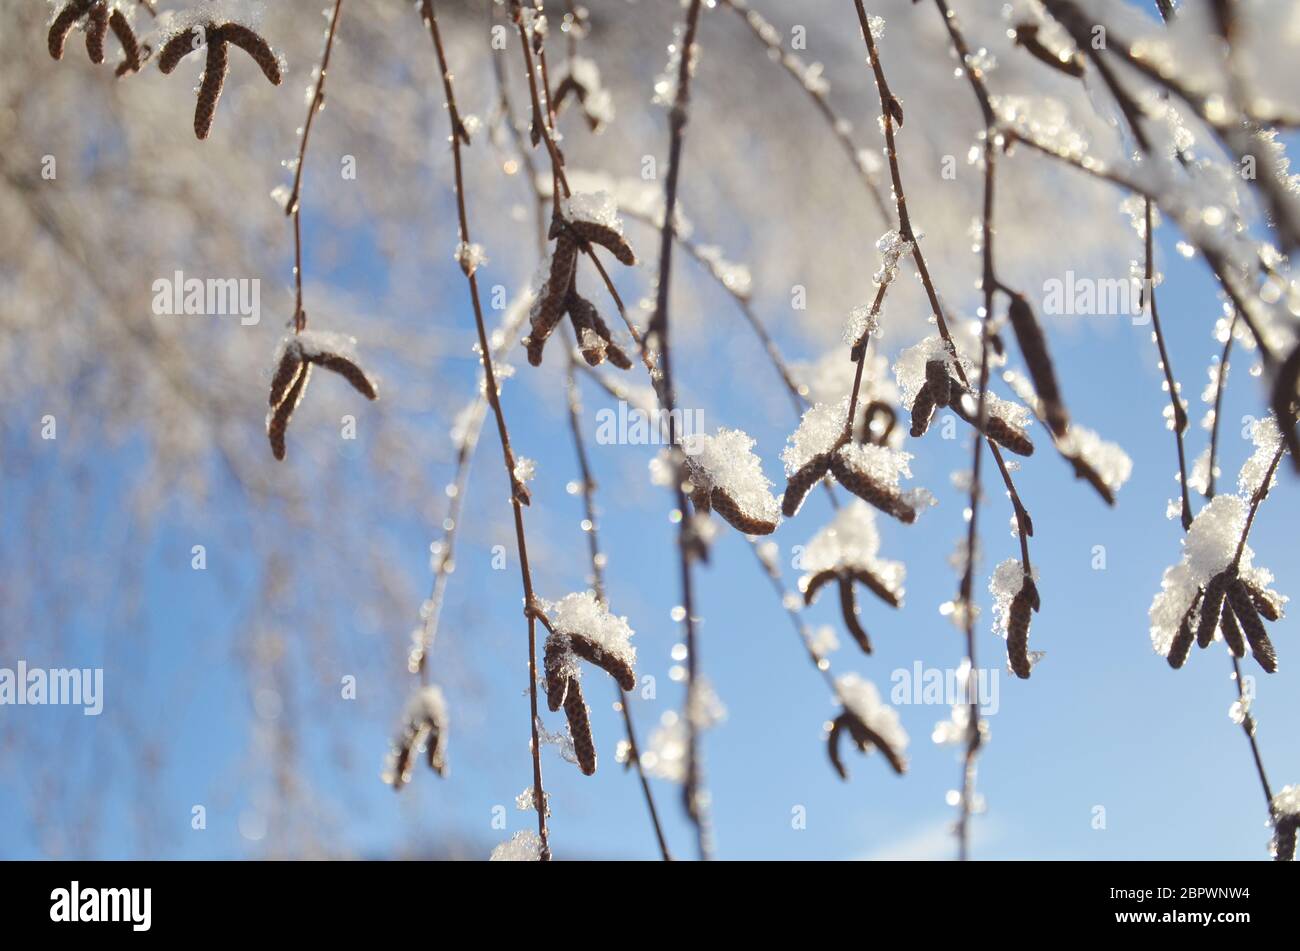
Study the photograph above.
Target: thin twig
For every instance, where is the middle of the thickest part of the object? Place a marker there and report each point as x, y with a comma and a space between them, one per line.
591, 530
429, 12
696, 797
294, 205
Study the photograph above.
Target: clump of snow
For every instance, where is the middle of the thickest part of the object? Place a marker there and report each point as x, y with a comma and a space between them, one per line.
862, 322
1008, 578
1287, 801
1209, 547
818, 432
1267, 439
892, 246
470, 257
596, 207
880, 463
1107, 459
852, 541
524, 846
582, 615
597, 101
909, 368
726, 461
861, 698
314, 343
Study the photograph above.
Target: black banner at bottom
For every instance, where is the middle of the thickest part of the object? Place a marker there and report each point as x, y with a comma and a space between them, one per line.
387, 900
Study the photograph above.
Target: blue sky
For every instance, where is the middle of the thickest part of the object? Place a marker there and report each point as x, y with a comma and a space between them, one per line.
1103, 722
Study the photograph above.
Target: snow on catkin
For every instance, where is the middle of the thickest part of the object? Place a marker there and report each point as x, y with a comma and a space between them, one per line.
852, 541
582, 615
726, 461
861, 698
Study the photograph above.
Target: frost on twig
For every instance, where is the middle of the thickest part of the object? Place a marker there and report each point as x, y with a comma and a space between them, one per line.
869, 722
847, 552
727, 477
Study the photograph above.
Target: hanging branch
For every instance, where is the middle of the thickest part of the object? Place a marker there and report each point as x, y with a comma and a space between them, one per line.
590, 528
518, 494
658, 336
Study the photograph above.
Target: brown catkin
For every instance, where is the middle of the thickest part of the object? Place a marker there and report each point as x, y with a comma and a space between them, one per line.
436, 748
738, 519
96, 30
1231, 632
612, 350
555, 298
886, 498
553, 664
256, 47
214, 80
1284, 837
1008, 436
875, 586
849, 608
584, 745
838, 726
62, 25
131, 61
801, 483
590, 343
816, 583
939, 382
285, 373
606, 237
1243, 606
279, 422
866, 738
1266, 602
1033, 347
349, 371
922, 411
612, 664
1211, 608
177, 48
1018, 628
1181, 645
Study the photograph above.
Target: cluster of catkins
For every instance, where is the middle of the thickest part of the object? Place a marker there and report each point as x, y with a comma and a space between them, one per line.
560, 294
1237, 608
564, 688
103, 15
